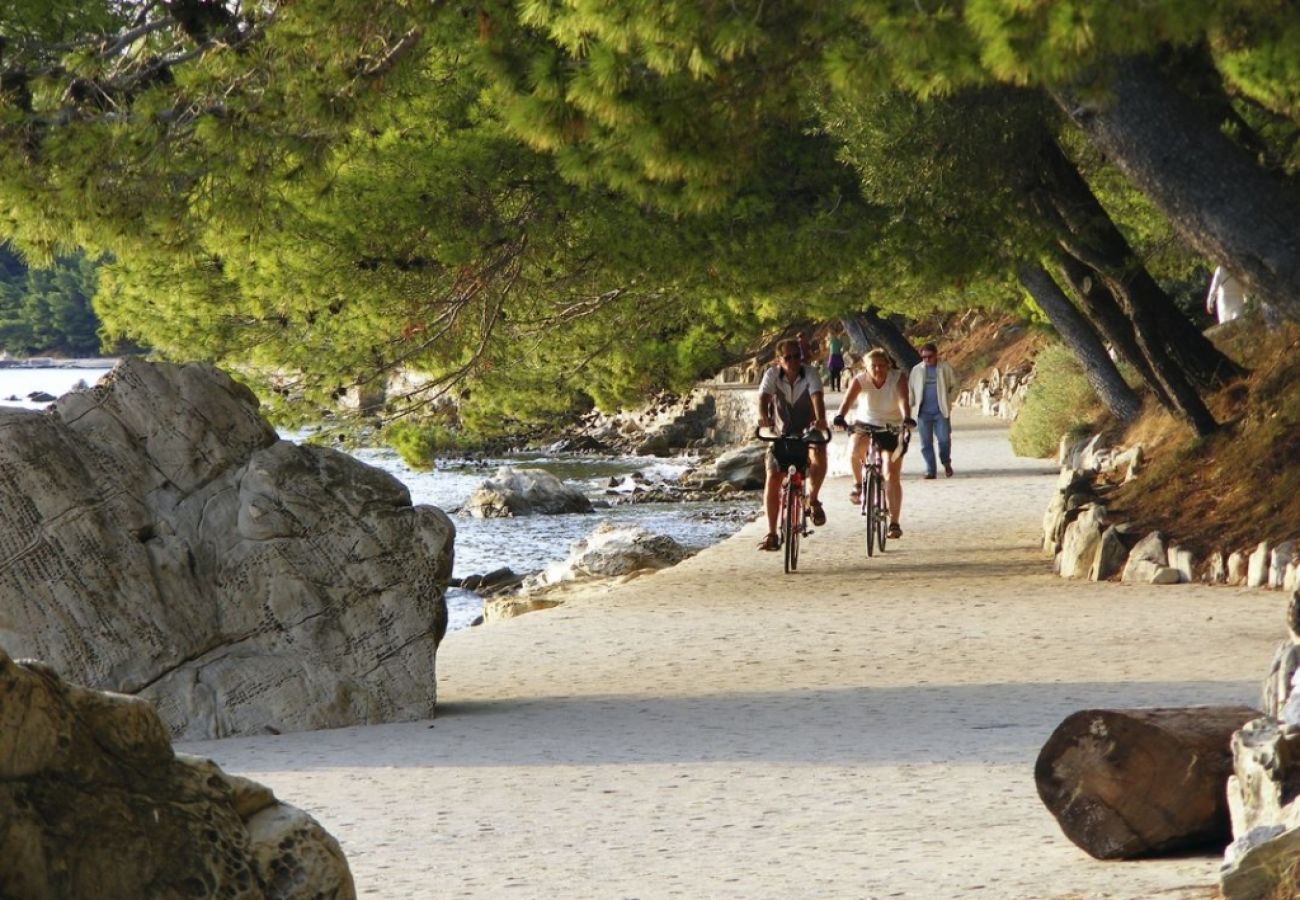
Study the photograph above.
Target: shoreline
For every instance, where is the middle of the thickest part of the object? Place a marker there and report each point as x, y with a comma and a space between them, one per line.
864, 728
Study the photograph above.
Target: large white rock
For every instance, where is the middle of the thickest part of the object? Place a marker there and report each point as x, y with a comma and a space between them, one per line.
1148, 562
610, 551
524, 492
1081, 542
162, 541
744, 467
1258, 565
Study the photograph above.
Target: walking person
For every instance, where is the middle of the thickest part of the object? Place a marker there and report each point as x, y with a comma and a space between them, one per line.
790, 398
932, 388
835, 359
878, 398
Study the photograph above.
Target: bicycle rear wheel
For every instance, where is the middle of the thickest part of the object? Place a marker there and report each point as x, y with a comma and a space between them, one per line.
881, 521
791, 525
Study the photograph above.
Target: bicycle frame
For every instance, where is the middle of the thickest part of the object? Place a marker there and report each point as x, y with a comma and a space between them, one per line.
792, 518
873, 500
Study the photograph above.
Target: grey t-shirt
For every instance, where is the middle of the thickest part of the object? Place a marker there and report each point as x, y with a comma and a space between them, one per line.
792, 400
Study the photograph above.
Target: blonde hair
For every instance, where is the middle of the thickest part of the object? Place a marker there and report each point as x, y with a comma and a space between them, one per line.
877, 353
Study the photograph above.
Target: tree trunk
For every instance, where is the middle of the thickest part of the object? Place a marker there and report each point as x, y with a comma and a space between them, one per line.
1094, 238
1106, 316
1137, 782
1212, 191
1086, 232
870, 329
1082, 339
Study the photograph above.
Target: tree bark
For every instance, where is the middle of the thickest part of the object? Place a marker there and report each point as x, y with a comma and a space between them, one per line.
1213, 192
870, 329
1082, 339
1137, 782
1104, 312
1085, 231
1092, 236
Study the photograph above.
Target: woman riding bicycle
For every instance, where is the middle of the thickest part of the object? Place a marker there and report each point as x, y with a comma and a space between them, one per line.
878, 397
790, 395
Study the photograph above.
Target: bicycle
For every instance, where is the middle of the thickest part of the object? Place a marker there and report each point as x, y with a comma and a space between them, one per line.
872, 499
792, 455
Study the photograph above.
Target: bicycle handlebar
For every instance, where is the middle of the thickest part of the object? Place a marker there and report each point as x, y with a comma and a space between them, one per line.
811, 436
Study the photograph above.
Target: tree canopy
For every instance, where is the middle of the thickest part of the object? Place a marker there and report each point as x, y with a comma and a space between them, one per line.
560, 202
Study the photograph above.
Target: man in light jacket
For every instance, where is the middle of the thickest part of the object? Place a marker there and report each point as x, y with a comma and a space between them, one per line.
932, 387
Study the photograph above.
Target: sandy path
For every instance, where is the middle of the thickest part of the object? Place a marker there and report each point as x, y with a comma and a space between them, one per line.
862, 729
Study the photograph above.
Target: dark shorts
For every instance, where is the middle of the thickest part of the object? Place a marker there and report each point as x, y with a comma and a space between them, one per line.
783, 454
885, 441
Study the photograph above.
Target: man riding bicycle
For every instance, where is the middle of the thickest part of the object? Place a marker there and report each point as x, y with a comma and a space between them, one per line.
878, 398
790, 399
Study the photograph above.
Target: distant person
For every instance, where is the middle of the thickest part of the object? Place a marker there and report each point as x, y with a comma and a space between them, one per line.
932, 389
1226, 299
790, 399
805, 347
835, 359
877, 398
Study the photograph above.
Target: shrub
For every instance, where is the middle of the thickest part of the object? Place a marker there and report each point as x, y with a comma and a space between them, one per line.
1060, 401
419, 443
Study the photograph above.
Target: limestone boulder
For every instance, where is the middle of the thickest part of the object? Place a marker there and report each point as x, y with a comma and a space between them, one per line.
95, 803
1257, 566
744, 467
162, 541
524, 492
1112, 553
1081, 542
1148, 562
611, 551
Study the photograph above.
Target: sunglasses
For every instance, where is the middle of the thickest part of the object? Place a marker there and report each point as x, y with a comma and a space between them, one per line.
927, 356
792, 356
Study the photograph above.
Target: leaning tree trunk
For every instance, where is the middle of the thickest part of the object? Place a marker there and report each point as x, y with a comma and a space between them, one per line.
1096, 240
870, 329
1085, 231
1124, 783
1105, 314
1082, 339
1213, 192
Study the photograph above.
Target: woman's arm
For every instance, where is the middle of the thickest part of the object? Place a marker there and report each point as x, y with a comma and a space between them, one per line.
849, 396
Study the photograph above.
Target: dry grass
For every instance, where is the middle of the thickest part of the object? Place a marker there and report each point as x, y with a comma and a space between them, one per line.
1237, 487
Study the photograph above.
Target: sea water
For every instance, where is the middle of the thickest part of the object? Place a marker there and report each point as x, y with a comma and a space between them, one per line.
523, 544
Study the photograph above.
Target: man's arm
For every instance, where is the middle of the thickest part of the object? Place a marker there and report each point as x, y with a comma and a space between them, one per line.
819, 411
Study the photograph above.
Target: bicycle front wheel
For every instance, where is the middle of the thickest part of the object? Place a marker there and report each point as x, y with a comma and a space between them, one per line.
791, 525
881, 521
869, 506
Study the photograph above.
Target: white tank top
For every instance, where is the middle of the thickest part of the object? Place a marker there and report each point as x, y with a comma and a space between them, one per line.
877, 405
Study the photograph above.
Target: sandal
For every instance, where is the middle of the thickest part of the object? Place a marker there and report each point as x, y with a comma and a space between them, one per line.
771, 542
818, 514
856, 497
895, 530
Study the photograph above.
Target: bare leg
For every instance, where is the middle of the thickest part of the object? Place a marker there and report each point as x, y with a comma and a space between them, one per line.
894, 485
816, 470
772, 499
857, 453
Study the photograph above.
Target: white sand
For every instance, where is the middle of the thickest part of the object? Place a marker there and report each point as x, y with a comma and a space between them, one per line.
865, 728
